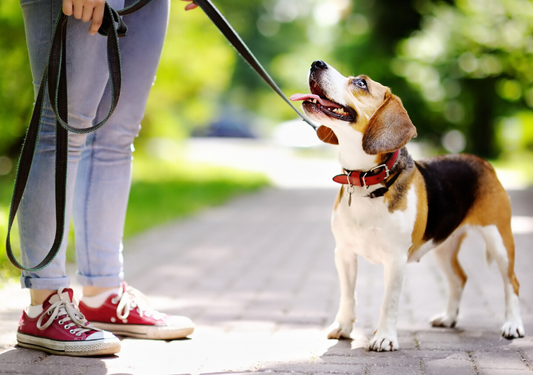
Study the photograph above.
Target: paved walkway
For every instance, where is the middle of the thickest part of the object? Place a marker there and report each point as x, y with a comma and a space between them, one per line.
257, 277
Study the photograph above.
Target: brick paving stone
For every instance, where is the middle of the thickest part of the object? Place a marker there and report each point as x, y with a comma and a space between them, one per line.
394, 370
456, 363
503, 372
501, 359
317, 368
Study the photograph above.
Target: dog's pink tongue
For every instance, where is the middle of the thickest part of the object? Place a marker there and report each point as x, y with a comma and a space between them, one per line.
303, 97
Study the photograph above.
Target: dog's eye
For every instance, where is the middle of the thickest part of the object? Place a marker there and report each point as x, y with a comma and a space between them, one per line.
361, 83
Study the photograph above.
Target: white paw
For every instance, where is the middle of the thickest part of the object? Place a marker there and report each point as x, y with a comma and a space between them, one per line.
338, 330
513, 329
444, 320
383, 343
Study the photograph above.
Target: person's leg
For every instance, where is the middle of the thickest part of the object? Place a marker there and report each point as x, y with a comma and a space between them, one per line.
104, 173
102, 190
86, 58
52, 322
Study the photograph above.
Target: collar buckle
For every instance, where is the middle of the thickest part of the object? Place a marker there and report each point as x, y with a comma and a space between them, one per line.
363, 175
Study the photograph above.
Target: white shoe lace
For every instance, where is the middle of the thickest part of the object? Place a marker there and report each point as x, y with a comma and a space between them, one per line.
130, 298
66, 309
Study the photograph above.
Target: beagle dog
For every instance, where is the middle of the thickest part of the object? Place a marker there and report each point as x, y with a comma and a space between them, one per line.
393, 210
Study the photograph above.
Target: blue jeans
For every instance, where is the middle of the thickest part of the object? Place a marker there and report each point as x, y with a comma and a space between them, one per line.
99, 164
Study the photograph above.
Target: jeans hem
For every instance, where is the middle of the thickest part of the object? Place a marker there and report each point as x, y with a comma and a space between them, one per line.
100, 281
45, 283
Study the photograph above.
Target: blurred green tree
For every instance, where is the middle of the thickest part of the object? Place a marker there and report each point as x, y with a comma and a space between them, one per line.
464, 65
16, 90
472, 63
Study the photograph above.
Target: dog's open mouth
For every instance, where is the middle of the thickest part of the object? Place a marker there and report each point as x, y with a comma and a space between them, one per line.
320, 103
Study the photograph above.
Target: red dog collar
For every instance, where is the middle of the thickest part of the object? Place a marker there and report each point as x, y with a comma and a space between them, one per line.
372, 177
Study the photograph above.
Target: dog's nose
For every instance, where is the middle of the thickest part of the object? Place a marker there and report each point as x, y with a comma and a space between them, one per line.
319, 64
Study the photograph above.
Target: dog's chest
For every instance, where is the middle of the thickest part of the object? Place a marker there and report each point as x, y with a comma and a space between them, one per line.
367, 227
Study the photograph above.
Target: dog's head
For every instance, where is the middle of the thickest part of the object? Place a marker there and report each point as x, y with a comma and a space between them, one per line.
343, 104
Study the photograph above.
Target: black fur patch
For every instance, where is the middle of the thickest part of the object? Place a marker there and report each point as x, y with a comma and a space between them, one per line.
452, 183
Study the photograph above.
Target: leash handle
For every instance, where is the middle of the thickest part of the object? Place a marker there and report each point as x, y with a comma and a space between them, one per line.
233, 37
55, 81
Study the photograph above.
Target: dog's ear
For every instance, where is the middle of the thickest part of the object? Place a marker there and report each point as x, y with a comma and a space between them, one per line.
389, 129
326, 135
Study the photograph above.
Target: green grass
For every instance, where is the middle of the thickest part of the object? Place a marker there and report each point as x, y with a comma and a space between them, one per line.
161, 191
6, 186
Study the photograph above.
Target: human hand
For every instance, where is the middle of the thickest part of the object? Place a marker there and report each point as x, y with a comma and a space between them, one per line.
190, 6
86, 10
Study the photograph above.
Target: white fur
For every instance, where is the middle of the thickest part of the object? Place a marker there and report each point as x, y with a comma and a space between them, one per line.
353, 158
443, 254
367, 228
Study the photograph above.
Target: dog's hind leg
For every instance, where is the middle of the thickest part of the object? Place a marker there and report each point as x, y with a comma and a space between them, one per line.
346, 263
500, 244
446, 256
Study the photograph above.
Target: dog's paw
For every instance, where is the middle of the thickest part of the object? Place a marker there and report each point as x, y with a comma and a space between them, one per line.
383, 343
444, 320
338, 330
513, 330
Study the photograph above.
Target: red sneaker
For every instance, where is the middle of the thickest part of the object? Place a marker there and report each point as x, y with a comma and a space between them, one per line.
62, 329
129, 314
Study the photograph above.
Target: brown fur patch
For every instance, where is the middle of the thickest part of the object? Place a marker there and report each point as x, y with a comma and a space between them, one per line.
421, 212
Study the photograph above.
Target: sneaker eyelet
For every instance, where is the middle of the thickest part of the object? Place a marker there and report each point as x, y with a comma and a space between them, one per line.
78, 334
72, 331
61, 321
67, 326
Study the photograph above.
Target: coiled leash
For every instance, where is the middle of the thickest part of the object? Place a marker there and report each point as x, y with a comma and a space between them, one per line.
55, 79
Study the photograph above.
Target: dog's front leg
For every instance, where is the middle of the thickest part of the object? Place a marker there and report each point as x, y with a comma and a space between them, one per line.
346, 263
386, 338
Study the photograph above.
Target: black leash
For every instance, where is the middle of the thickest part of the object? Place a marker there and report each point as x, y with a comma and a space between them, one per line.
231, 35
55, 80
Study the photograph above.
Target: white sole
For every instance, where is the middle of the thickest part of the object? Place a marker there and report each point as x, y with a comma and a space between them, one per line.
141, 331
70, 348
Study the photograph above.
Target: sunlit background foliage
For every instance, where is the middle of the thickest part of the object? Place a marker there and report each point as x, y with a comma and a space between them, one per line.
463, 68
